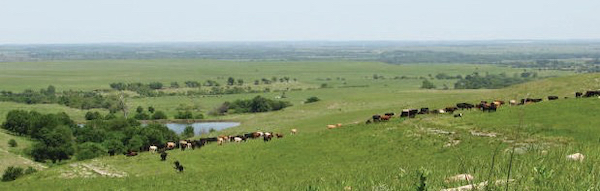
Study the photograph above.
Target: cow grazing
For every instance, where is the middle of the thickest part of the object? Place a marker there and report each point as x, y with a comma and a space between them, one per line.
450, 109
389, 114
170, 145
294, 131
131, 153
237, 139
153, 149
163, 156
220, 140
411, 113
578, 94
178, 166
463, 106
385, 118
458, 115
512, 102
592, 93
424, 110
331, 126
279, 135
267, 137
552, 97
376, 118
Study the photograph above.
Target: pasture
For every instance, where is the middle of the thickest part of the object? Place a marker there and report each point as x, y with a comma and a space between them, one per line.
384, 156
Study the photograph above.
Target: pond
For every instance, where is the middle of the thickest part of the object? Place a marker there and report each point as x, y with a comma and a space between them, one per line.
202, 127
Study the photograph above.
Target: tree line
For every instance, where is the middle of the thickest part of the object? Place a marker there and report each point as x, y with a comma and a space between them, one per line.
70, 98
254, 105
59, 138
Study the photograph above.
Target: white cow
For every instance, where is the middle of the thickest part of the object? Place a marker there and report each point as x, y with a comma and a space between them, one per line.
294, 131
153, 149
237, 139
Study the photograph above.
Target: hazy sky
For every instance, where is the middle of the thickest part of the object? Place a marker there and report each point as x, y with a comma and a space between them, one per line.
89, 21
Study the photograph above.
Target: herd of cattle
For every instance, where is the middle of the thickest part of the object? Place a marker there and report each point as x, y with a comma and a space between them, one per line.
193, 144
484, 106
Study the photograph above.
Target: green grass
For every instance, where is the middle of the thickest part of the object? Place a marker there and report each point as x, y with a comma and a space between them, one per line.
384, 156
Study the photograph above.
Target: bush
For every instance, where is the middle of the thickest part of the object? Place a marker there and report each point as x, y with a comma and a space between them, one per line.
30, 170
141, 116
92, 115
184, 115
12, 143
188, 132
90, 150
427, 85
312, 99
12, 173
159, 115
258, 104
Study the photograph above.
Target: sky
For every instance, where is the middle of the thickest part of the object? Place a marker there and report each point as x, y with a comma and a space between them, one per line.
122, 21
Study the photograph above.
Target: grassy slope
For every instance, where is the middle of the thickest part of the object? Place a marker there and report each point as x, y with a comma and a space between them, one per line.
378, 156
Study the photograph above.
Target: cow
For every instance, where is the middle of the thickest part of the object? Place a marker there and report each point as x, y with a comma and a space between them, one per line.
170, 145
463, 106
237, 139
278, 135
331, 126
424, 110
458, 115
385, 117
220, 140
552, 97
131, 153
376, 118
512, 102
450, 109
411, 113
294, 131
368, 122
389, 114
592, 93
163, 156
153, 149
578, 94
178, 166
267, 137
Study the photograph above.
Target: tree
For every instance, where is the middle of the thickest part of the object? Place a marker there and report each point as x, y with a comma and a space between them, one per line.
113, 145
159, 115
55, 145
90, 150
12, 173
184, 115
135, 143
174, 85
139, 109
17, 121
12, 143
240, 82
188, 132
427, 84
141, 116
155, 85
259, 104
312, 99
92, 115
151, 109
51, 90
230, 81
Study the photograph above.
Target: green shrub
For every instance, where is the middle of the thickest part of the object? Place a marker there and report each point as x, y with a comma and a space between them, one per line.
12, 173
89, 150
159, 115
12, 143
312, 99
30, 170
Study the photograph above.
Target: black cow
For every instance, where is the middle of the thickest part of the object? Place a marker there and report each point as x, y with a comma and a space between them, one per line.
163, 156
376, 118
424, 110
578, 94
389, 114
552, 97
411, 113
178, 166
592, 93
465, 106
450, 109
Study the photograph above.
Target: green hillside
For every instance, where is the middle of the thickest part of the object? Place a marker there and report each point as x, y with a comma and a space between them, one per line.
385, 156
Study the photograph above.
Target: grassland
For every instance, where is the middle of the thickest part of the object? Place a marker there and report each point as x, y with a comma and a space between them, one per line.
384, 156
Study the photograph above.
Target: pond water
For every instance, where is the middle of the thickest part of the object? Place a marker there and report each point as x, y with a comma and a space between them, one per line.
203, 127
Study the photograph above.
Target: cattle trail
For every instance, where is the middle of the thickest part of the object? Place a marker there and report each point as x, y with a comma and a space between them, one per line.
93, 169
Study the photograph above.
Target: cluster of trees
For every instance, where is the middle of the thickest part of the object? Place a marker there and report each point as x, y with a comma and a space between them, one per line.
427, 84
74, 99
589, 66
254, 105
140, 114
444, 76
492, 81
141, 89
59, 138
